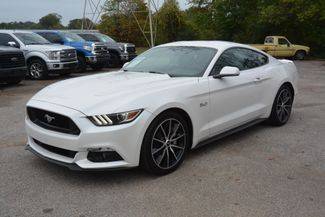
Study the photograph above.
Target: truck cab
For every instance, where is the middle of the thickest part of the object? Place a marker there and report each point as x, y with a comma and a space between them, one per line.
280, 46
95, 55
43, 58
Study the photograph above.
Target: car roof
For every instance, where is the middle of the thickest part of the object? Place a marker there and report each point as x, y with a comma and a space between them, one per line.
219, 45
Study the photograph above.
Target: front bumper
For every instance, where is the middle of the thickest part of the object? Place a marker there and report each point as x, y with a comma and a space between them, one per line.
13, 72
124, 139
99, 59
61, 65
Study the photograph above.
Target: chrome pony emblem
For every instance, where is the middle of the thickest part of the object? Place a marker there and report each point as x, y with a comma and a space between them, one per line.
49, 118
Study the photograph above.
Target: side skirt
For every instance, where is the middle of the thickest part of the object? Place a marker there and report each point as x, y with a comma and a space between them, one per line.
229, 132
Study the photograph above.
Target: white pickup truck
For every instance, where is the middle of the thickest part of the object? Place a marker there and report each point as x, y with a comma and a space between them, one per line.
43, 58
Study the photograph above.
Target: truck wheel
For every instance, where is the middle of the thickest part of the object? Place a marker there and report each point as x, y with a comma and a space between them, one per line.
37, 69
82, 64
97, 67
300, 55
114, 61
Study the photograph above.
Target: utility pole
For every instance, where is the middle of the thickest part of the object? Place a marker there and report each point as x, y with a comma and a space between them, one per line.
84, 16
150, 24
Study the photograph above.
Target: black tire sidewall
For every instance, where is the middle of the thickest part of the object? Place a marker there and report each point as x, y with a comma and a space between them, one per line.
303, 53
146, 160
82, 65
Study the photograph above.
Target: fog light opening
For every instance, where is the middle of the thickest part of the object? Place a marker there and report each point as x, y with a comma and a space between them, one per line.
103, 156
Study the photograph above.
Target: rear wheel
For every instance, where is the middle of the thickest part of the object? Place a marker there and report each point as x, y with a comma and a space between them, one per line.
300, 55
165, 144
282, 106
37, 69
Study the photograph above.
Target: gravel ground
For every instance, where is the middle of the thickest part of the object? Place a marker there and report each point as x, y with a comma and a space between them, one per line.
261, 171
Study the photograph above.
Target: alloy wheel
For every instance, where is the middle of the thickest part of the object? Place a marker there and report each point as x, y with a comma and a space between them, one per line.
284, 105
36, 70
168, 143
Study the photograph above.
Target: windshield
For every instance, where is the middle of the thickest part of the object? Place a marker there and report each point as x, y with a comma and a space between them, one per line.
89, 37
176, 61
72, 37
31, 38
105, 38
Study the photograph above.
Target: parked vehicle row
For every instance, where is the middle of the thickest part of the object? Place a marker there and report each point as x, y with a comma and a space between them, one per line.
62, 52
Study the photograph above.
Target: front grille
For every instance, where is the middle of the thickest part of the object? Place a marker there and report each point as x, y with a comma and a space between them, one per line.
130, 49
56, 150
101, 50
12, 60
68, 55
52, 121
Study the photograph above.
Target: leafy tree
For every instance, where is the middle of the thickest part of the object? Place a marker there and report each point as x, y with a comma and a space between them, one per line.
172, 25
51, 21
77, 24
120, 20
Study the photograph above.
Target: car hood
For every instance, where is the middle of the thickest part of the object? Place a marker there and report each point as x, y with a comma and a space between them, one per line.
105, 92
47, 47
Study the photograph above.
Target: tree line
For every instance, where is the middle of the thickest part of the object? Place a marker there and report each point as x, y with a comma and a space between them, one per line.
50, 21
244, 21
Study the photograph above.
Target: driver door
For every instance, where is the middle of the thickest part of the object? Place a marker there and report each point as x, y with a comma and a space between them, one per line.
235, 100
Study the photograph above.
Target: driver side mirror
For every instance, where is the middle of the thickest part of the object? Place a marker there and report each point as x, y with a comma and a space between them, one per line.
13, 44
125, 64
227, 71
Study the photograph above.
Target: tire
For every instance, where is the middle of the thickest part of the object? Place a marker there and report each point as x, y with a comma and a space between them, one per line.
114, 61
300, 55
165, 144
82, 64
14, 81
282, 106
97, 67
37, 69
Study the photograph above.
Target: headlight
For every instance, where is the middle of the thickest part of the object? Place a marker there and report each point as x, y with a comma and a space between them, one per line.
88, 47
53, 55
115, 119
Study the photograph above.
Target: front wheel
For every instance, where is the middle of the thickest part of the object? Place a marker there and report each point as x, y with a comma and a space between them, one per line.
282, 106
37, 69
97, 67
165, 144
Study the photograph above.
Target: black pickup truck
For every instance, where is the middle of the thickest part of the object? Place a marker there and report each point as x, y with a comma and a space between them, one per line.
12, 65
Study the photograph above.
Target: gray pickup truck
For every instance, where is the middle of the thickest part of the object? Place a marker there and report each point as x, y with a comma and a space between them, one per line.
12, 65
42, 57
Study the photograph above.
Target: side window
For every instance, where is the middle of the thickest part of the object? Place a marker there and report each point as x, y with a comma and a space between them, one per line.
5, 38
269, 40
283, 41
241, 58
230, 57
52, 37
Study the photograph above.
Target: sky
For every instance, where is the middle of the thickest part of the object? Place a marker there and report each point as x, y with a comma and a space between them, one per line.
33, 10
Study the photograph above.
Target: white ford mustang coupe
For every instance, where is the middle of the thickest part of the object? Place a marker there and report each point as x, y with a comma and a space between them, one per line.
168, 100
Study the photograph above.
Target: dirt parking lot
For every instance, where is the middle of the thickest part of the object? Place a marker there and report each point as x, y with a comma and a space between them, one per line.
263, 171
